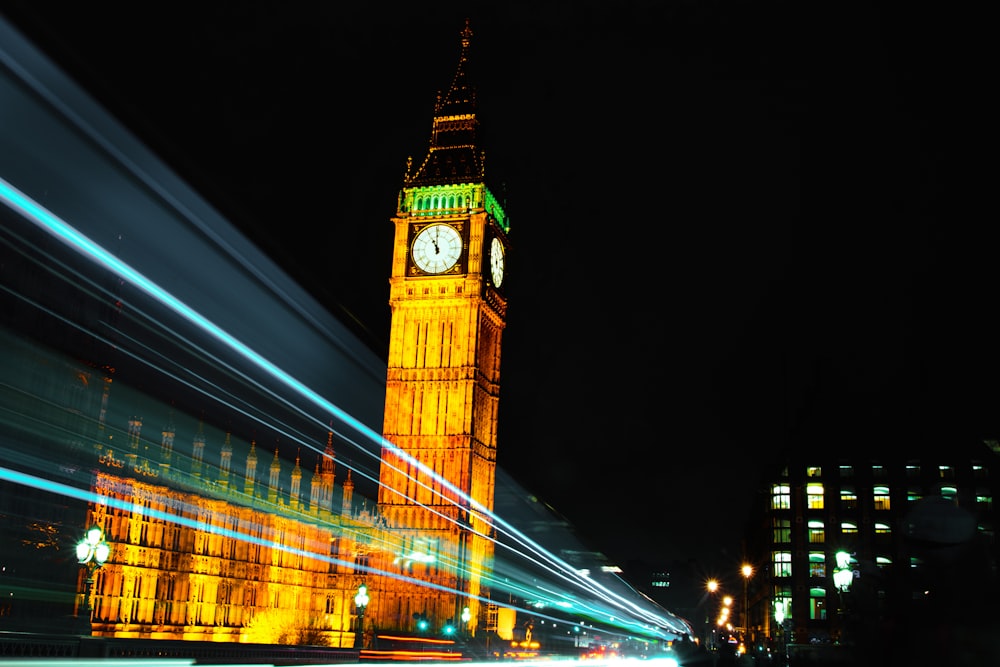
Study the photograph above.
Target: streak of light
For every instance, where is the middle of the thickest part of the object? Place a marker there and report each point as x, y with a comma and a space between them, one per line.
70, 236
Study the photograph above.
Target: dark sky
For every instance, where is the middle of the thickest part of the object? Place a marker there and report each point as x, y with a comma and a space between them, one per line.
738, 227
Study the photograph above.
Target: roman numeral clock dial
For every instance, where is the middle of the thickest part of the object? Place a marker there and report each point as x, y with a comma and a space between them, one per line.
496, 262
436, 248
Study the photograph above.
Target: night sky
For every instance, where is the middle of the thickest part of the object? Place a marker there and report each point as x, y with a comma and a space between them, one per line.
737, 228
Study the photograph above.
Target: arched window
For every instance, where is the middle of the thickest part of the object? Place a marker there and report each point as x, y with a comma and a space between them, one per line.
817, 532
881, 497
848, 499
817, 564
817, 604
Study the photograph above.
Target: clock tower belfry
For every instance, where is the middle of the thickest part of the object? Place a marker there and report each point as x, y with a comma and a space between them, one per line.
438, 470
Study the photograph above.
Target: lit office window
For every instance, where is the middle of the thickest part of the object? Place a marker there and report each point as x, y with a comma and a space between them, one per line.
817, 604
882, 528
781, 563
913, 495
984, 502
817, 532
848, 527
946, 472
878, 471
881, 494
883, 561
781, 530
814, 471
979, 471
949, 492
781, 497
848, 499
814, 496
912, 470
847, 471
817, 564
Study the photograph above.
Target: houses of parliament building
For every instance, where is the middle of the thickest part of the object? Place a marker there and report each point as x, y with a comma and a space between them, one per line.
215, 535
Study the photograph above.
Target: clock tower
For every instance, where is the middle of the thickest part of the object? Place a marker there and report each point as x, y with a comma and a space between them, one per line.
437, 477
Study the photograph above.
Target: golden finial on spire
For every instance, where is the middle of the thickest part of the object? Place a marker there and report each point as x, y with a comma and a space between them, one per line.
466, 34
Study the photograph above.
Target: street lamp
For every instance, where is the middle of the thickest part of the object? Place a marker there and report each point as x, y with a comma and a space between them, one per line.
712, 586
91, 552
466, 618
779, 619
360, 603
843, 577
747, 571
724, 621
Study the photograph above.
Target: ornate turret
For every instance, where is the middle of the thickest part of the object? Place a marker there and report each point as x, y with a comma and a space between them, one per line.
197, 451
272, 484
249, 481
348, 495
293, 493
167, 445
225, 462
134, 441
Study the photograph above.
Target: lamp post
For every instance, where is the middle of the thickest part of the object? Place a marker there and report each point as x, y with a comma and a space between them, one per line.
466, 618
91, 552
843, 577
712, 587
779, 618
724, 620
747, 572
360, 603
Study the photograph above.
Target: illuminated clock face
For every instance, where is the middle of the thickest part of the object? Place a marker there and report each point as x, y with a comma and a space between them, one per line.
496, 261
437, 248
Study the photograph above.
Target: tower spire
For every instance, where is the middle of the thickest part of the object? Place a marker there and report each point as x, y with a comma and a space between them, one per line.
452, 156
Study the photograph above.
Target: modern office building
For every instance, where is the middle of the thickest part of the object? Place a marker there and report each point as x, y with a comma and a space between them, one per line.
916, 535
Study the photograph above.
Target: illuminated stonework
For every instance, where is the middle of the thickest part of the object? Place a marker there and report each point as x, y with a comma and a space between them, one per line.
187, 566
442, 384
